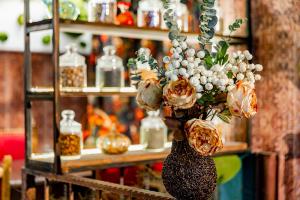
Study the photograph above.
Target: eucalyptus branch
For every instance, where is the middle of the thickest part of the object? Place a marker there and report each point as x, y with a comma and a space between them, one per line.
171, 21
208, 21
234, 27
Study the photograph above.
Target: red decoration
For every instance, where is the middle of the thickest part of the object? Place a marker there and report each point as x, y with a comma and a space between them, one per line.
125, 17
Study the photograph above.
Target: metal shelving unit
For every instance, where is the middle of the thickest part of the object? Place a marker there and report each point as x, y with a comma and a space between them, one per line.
52, 167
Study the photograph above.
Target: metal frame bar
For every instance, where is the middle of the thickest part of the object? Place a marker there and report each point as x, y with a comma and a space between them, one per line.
45, 24
56, 103
27, 84
100, 185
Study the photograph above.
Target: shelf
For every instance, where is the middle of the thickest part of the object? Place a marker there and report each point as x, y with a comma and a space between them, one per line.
134, 32
94, 159
46, 93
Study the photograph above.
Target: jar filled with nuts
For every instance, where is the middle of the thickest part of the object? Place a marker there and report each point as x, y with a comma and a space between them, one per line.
70, 137
72, 69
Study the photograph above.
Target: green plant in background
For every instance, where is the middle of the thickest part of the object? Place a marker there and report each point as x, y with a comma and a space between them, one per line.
46, 39
20, 20
227, 167
3, 37
81, 5
82, 44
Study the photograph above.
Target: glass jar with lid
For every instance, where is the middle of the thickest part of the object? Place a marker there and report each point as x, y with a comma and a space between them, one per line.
102, 11
149, 13
109, 69
181, 13
72, 69
153, 132
70, 137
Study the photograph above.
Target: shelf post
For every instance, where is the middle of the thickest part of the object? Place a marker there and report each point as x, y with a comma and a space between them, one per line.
56, 103
27, 83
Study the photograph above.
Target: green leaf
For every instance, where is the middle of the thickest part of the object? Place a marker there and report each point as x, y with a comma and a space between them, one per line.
225, 59
208, 61
209, 12
227, 167
136, 78
236, 24
131, 63
225, 116
206, 98
212, 22
224, 47
229, 74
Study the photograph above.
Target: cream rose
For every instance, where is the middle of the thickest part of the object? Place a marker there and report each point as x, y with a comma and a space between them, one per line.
241, 100
203, 137
180, 94
149, 95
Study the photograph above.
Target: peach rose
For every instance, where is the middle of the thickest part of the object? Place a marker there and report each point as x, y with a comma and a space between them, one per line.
180, 94
149, 95
241, 100
203, 137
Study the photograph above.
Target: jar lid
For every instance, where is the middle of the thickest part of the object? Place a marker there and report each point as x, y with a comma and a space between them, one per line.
71, 58
150, 5
67, 124
109, 59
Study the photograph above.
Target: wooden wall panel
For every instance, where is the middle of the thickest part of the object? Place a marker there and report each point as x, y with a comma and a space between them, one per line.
276, 128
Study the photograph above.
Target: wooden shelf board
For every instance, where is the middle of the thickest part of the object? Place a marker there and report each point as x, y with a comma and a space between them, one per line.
132, 31
93, 158
125, 31
88, 91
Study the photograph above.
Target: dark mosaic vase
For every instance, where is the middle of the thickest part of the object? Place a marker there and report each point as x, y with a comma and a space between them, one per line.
187, 175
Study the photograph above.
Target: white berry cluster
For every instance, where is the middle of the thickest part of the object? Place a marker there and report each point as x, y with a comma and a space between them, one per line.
241, 68
188, 63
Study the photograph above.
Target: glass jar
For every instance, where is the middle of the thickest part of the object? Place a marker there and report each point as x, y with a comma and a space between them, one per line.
70, 137
67, 9
109, 69
114, 142
72, 69
149, 13
153, 132
102, 11
182, 15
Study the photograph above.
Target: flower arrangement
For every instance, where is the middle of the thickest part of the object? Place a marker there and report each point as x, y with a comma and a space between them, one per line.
196, 85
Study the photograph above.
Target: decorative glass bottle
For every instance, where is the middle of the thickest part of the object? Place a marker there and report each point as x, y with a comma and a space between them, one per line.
72, 69
102, 11
149, 13
114, 142
125, 17
70, 137
153, 132
109, 69
182, 15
